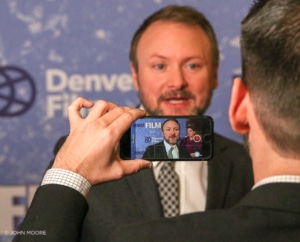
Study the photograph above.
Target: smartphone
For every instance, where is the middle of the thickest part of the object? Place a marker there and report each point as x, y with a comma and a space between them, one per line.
151, 137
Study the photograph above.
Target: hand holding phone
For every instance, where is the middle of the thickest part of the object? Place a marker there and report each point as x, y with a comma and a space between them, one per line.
180, 138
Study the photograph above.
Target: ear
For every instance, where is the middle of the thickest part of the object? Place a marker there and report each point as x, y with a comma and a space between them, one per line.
134, 76
238, 107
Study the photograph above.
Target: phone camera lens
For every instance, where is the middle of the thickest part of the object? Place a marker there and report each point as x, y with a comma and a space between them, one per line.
207, 138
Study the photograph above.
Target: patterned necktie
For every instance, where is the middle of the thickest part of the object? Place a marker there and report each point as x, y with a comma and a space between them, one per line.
168, 186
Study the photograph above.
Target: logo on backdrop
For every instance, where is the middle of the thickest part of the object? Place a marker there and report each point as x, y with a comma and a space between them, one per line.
17, 91
63, 88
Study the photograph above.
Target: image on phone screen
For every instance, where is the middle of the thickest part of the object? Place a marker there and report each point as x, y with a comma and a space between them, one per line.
180, 138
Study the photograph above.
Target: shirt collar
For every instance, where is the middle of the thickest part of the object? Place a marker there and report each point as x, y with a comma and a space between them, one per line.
168, 146
277, 179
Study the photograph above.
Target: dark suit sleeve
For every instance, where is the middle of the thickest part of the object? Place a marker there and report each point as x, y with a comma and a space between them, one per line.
57, 210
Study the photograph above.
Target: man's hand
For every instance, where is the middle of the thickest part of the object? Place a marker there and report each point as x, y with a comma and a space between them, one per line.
91, 147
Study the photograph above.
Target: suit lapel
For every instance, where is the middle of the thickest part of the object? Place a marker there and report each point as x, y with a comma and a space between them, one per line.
161, 150
144, 188
219, 170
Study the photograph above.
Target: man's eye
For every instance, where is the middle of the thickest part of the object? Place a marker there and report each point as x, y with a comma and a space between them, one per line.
193, 66
159, 66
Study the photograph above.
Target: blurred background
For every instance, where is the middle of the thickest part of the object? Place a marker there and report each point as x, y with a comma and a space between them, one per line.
48, 46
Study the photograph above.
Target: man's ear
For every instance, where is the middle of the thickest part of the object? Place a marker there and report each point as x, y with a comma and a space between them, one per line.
238, 107
134, 76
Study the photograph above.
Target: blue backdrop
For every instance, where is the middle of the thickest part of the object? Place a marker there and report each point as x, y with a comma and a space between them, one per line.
54, 51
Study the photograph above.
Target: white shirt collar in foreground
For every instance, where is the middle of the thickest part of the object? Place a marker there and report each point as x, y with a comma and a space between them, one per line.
278, 179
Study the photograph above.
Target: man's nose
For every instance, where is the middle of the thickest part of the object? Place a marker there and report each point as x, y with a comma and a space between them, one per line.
176, 79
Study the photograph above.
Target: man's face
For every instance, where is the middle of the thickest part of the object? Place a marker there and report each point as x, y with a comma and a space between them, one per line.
175, 75
171, 132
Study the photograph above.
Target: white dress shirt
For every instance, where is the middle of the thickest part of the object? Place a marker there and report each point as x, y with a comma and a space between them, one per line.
175, 151
192, 184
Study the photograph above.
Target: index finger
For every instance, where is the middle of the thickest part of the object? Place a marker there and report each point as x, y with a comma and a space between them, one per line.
100, 108
75, 107
124, 120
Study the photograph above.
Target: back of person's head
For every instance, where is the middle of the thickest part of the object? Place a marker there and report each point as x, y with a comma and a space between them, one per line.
270, 47
178, 14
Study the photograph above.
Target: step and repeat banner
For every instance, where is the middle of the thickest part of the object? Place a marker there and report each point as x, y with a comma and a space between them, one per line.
54, 51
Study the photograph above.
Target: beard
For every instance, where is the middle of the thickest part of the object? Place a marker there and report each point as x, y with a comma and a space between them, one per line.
197, 111
168, 140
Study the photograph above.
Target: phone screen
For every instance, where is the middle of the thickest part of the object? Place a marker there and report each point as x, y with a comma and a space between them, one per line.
151, 138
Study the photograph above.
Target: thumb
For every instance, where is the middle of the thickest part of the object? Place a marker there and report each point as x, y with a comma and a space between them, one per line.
133, 166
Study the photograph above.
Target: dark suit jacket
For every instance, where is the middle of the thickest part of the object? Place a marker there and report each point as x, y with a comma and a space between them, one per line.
158, 151
135, 197
270, 213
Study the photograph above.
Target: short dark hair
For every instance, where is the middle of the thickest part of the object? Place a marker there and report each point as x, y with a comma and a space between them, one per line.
167, 120
270, 48
190, 127
180, 14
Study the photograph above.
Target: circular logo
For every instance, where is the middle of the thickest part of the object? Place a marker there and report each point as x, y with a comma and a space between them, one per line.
197, 138
17, 91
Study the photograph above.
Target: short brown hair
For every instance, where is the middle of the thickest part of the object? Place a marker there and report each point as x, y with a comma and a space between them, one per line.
180, 14
270, 50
